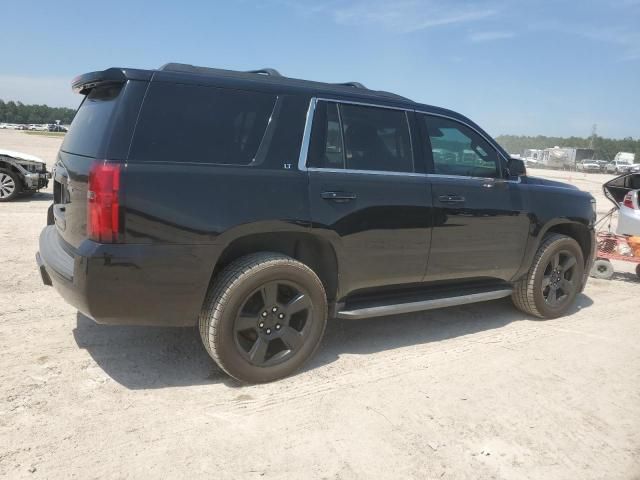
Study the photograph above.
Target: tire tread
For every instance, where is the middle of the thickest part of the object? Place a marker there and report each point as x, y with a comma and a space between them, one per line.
221, 288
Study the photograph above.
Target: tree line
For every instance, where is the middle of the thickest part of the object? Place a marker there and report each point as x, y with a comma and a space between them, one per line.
605, 148
18, 112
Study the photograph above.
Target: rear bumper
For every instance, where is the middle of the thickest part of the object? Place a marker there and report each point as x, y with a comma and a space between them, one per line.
161, 285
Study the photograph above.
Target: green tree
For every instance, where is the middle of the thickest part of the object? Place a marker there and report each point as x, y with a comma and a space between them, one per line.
18, 112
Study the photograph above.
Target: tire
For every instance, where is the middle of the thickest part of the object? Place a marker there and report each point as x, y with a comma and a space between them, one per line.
638, 270
602, 268
244, 311
550, 286
10, 185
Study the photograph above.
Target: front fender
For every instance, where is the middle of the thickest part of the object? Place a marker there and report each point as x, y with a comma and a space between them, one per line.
560, 208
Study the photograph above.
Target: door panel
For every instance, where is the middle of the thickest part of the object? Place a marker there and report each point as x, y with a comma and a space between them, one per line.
480, 222
483, 234
379, 224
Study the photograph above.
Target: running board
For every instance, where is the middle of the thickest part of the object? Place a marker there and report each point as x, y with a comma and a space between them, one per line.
418, 306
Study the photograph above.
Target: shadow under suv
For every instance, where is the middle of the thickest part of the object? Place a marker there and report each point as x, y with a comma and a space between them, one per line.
258, 206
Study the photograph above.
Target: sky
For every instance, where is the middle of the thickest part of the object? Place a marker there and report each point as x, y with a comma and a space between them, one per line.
538, 67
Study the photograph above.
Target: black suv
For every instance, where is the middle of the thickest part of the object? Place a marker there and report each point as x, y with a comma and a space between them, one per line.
257, 206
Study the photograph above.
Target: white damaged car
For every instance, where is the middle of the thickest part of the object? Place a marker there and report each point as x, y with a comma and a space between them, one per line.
21, 174
624, 192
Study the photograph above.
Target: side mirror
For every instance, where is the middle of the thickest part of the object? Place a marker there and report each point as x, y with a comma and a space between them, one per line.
516, 167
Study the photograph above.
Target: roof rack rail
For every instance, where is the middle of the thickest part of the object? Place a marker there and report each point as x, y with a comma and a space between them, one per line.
271, 72
352, 84
184, 67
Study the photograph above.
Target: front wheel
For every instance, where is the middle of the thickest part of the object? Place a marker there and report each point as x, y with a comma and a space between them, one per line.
264, 317
9, 185
554, 279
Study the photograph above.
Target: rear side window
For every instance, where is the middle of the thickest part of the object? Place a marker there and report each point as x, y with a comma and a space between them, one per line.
360, 138
326, 139
88, 130
199, 124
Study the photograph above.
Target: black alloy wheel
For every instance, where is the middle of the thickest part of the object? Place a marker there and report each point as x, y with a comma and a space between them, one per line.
554, 279
559, 282
273, 323
264, 317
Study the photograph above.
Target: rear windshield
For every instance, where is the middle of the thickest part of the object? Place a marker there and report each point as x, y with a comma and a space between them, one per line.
89, 127
201, 124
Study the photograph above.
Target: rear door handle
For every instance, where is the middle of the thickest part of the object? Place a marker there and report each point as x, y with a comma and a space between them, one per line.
339, 197
451, 198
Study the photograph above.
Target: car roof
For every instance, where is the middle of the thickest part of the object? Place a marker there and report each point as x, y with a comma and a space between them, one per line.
268, 80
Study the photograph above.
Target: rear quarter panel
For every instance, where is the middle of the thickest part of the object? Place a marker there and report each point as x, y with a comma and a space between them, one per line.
209, 204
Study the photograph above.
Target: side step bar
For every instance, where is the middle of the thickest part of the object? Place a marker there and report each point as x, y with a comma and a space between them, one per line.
418, 306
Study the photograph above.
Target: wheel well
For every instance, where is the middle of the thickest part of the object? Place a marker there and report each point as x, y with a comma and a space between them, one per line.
578, 232
314, 252
8, 166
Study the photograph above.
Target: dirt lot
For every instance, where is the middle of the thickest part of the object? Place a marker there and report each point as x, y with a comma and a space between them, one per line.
480, 391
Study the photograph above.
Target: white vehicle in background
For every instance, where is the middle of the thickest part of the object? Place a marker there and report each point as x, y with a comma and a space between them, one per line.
588, 166
3, 126
623, 162
629, 214
618, 166
625, 157
531, 156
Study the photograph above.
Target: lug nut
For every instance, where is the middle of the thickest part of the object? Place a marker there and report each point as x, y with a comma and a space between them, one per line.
261, 324
274, 309
277, 326
268, 331
281, 316
264, 314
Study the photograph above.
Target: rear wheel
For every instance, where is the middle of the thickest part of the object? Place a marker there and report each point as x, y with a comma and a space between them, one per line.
9, 185
602, 268
638, 270
264, 316
554, 279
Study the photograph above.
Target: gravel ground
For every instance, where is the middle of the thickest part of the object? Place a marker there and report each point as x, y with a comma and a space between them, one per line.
480, 391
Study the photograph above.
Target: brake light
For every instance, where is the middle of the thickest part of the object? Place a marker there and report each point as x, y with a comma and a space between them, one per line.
628, 201
103, 207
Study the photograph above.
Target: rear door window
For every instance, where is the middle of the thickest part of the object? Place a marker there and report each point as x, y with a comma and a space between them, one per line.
201, 124
360, 138
326, 148
376, 139
89, 129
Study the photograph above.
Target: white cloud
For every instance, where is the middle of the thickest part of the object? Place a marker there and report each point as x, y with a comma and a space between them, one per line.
53, 91
478, 37
403, 16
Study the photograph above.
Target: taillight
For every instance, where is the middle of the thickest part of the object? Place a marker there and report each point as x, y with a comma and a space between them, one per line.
628, 200
103, 206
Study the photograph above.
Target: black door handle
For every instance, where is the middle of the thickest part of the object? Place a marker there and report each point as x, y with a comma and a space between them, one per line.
338, 196
451, 198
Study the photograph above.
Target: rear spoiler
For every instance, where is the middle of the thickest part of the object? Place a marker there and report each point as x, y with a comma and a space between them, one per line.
83, 84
